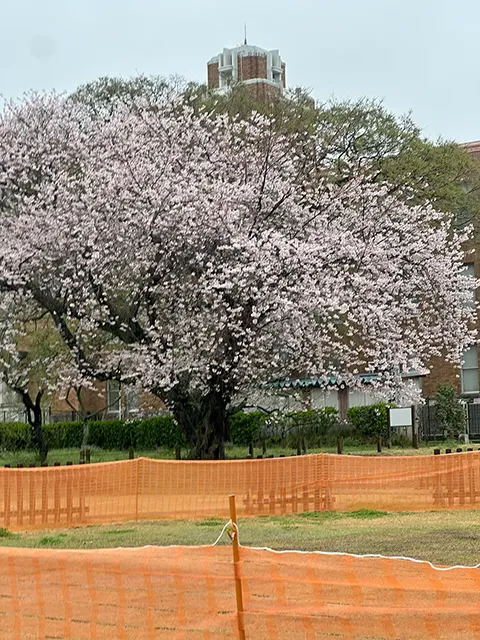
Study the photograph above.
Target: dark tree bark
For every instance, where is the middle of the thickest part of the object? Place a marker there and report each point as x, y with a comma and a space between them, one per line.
34, 417
203, 422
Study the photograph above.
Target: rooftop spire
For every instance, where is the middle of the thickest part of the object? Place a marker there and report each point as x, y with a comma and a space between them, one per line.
245, 41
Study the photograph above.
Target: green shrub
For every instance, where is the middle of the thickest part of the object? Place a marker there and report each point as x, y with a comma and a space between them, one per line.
246, 428
449, 411
370, 421
141, 433
310, 427
298, 428
158, 431
63, 435
343, 430
112, 434
16, 436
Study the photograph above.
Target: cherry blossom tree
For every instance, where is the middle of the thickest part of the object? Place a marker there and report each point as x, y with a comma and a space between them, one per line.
200, 256
34, 361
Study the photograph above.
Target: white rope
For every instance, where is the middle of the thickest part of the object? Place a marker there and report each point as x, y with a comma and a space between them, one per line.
366, 555
228, 524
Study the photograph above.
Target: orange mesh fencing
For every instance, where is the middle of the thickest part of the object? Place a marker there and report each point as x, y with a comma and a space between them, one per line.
144, 489
137, 594
189, 593
307, 596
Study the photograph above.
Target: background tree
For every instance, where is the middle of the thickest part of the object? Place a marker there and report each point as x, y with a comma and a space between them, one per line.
33, 359
199, 255
358, 136
366, 137
450, 413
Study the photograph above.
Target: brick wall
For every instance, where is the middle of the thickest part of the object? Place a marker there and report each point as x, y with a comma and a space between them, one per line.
95, 402
151, 404
441, 373
250, 67
212, 74
92, 400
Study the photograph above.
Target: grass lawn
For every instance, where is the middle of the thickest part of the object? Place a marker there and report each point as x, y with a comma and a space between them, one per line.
100, 455
450, 537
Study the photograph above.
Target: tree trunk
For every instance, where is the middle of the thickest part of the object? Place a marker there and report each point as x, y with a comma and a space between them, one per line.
85, 433
203, 422
34, 417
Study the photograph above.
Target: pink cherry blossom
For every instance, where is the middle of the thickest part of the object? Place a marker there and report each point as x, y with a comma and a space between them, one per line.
200, 257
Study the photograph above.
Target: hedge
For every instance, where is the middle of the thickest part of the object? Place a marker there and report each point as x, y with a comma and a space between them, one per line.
144, 433
254, 427
246, 428
315, 427
370, 421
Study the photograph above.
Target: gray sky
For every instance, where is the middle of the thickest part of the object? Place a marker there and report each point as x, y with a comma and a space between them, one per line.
419, 55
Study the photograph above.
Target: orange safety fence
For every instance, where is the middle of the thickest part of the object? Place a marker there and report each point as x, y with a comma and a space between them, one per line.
144, 489
189, 593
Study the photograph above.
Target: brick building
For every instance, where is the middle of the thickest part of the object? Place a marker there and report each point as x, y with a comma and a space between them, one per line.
466, 378
262, 71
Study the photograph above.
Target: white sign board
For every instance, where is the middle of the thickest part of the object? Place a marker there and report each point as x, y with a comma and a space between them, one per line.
401, 417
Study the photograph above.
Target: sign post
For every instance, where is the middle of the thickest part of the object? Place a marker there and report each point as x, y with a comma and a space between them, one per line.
401, 417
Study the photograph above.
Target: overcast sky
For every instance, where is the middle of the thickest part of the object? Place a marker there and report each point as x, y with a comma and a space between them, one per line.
418, 55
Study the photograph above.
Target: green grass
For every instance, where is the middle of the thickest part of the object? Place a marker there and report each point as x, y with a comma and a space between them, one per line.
449, 537
52, 541
99, 455
117, 532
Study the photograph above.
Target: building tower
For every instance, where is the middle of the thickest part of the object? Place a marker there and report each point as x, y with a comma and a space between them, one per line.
261, 70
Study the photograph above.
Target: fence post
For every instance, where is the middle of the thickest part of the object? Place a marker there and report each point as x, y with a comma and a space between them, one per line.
415, 429
137, 471
339, 446
6, 499
19, 478
236, 569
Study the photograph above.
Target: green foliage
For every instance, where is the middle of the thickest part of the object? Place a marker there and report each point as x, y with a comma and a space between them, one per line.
295, 429
158, 431
449, 411
16, 436
246, 428
312, 426
112, 434
47, 541
63, 435
363, 135
142, 433
293, 111
370, 421
102, 93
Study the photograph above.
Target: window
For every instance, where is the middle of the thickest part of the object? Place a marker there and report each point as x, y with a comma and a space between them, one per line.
113, 404
132, 400
470, 370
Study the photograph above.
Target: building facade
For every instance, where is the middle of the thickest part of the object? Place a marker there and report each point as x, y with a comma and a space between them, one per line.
262, 71
465, 379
